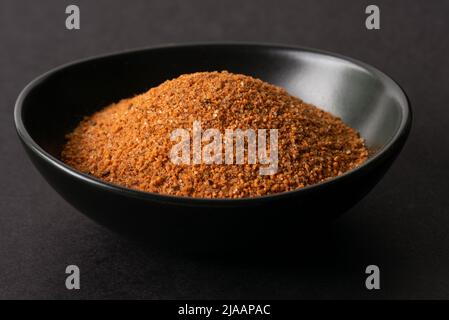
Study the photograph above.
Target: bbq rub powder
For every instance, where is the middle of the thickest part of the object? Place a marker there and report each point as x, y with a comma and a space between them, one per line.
129, 143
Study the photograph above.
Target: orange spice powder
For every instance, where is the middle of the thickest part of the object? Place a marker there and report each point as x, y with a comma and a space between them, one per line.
128, 143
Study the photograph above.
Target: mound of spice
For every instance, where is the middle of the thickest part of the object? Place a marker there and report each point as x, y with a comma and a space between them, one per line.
129, 143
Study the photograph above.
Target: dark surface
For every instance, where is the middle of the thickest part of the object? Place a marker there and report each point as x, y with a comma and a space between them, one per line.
402, 226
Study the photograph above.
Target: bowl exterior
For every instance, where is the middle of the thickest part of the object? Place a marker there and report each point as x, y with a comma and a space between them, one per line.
177, 224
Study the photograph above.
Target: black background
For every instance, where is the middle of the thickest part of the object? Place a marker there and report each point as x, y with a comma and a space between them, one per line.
402, 226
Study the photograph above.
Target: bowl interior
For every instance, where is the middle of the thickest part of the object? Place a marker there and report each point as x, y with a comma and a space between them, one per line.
363, 97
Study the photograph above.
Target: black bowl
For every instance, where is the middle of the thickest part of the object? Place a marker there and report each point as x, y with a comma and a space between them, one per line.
365, 98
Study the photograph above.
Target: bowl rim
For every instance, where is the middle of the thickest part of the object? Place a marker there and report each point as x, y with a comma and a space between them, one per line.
399, 136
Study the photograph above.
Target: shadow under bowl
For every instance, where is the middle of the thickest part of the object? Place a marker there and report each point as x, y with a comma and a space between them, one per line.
362, 96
